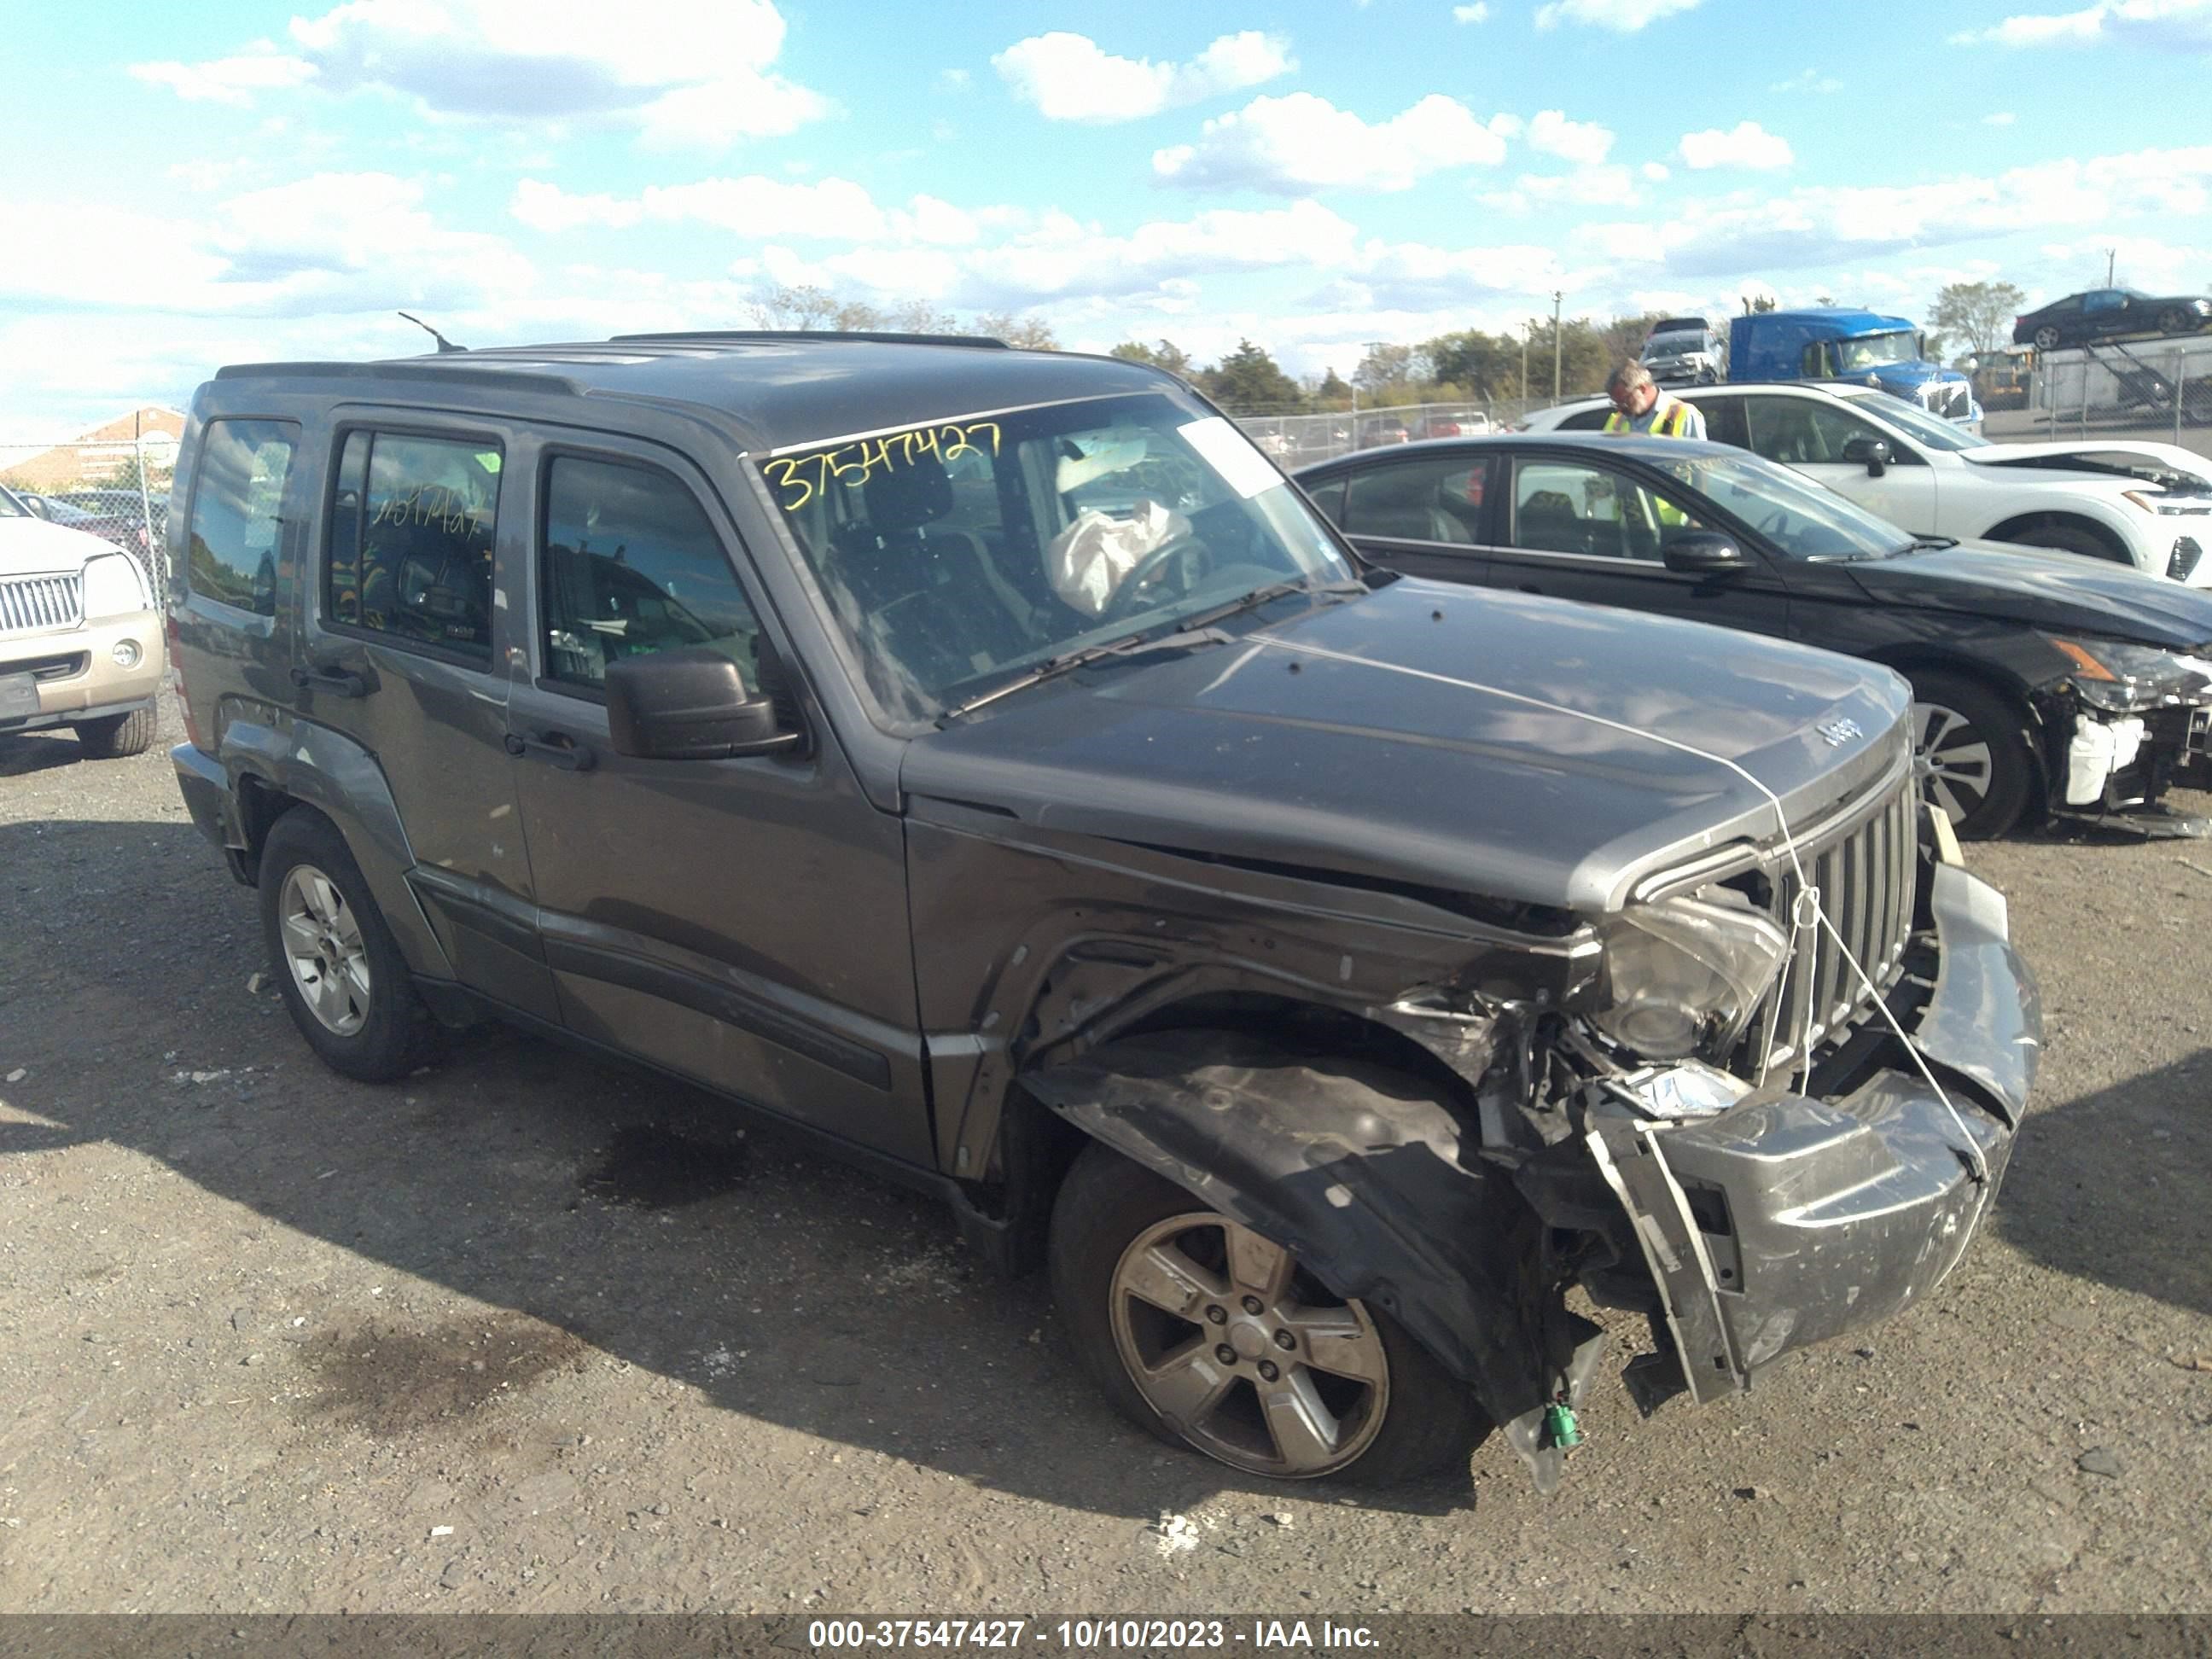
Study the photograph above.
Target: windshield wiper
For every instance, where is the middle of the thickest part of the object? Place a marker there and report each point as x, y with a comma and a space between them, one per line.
1197, 629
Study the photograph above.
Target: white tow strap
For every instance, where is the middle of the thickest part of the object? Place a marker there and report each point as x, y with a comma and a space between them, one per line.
1809, 906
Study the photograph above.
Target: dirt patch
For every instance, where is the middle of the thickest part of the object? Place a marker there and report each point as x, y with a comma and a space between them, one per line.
651, 1168
388, 1382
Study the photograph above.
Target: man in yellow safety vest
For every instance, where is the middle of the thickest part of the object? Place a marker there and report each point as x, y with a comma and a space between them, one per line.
1641, 406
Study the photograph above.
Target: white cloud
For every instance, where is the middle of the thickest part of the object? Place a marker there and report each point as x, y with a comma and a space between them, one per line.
1477, 12
1810, 80
518, 61
228, 79
1584, 142
1302, 142
1749, 145
1655, 171
1820, 225
1070, 77
2159, 24
2002, 117
954, 80
1623, 16
831, 209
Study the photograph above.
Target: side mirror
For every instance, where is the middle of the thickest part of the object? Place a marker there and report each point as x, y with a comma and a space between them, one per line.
1872, 453
1703, 553
688, 704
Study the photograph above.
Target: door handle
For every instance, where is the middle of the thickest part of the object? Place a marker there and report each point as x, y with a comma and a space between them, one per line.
338, 682
555, 748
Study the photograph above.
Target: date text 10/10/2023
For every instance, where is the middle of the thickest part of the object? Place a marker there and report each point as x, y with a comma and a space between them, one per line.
1090, 1635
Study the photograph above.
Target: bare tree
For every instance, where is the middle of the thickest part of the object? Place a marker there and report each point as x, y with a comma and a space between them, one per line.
1979, 312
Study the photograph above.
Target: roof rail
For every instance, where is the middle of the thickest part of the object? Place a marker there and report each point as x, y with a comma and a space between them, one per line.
738, 336
441, 369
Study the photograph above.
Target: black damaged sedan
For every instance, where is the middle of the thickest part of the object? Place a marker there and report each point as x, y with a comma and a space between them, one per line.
2042, 682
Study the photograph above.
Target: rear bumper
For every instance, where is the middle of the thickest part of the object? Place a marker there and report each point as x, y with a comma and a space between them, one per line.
79, 678
1785, 1221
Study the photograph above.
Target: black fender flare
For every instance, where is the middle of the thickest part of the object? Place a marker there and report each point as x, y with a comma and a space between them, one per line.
1370, 1181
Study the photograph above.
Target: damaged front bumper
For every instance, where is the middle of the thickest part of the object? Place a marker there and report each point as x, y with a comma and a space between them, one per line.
1782, 1220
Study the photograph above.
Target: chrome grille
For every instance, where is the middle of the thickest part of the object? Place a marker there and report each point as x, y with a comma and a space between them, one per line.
1866, 879
31, 605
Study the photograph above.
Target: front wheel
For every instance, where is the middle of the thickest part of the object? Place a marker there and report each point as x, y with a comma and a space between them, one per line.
1214, 1338
1973, 754
2046, 338
114, 737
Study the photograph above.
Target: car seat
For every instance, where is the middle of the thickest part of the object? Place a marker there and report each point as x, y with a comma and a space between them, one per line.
1402, 501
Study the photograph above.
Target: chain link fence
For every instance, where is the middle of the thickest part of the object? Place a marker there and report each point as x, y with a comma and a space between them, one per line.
1297, 440
2149, 388
114, 486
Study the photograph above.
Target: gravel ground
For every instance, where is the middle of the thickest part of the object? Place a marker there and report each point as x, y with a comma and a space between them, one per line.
531, 1333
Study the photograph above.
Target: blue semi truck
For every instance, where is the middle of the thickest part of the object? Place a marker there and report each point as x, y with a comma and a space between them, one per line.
1862, 348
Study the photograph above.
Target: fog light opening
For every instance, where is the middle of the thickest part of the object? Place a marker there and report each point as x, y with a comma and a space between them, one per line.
126, 653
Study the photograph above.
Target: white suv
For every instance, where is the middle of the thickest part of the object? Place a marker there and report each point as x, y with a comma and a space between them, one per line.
2145, 504
80, 645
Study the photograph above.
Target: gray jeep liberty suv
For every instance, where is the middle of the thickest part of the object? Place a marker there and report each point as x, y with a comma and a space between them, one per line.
986, 762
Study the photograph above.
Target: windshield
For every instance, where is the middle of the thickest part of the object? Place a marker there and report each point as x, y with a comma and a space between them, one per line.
1930, 429
1673, 345
1803, 519
955, 555
12, 508
1869, 351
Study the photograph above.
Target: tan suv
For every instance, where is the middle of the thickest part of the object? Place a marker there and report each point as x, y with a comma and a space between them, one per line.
80, 645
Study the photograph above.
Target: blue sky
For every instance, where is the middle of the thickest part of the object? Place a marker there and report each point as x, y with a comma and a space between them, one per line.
229, 182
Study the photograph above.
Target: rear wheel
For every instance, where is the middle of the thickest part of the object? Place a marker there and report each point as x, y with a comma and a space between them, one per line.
113, 737
1976, 764
1214, 1338
339, 968
2175, 320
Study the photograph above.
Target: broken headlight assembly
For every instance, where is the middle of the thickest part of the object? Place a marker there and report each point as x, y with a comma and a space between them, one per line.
2122, 679
1683, 976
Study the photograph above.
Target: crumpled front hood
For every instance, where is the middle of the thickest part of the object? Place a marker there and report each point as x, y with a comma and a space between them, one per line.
2153, 463
1526, 748
2063, 592
32, 547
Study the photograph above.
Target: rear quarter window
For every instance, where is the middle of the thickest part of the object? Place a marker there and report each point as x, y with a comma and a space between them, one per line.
234, 542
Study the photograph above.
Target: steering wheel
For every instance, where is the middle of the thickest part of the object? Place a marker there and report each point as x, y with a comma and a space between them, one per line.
1773, 524
1145, 572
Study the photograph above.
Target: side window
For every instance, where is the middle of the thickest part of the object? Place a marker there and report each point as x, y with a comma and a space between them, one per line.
1588, 420
1328, 497
1432, 498
1724, 421
1564, 507
237, 530
631, 566
2104, 299
410, 540
1799, 431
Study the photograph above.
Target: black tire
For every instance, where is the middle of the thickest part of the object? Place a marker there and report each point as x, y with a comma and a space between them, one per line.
1430, 1421
396, 1033
2070, 538
113, 737
2175, 320
2046, 338
1978, 716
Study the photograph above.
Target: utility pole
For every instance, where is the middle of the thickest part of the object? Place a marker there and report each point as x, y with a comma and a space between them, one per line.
2111, 254
1556, 297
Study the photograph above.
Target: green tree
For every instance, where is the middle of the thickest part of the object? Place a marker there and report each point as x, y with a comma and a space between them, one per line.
1583, 362
1480, 364
1387, 368
1249, 379
1165, 355
1763, 302
1333, 390
1029, 333
1980, 313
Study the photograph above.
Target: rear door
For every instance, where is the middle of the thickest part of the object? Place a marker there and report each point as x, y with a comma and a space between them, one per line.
741, 922
403, 651
1581, 529
1423, 513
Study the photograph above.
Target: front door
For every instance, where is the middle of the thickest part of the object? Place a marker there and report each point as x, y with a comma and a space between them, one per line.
399, 647
1581, 530
1809, 435
742, 921
1422, 515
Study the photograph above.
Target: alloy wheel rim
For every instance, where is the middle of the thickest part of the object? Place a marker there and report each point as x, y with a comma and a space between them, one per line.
324, 950
1958, 766
1244, 1354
